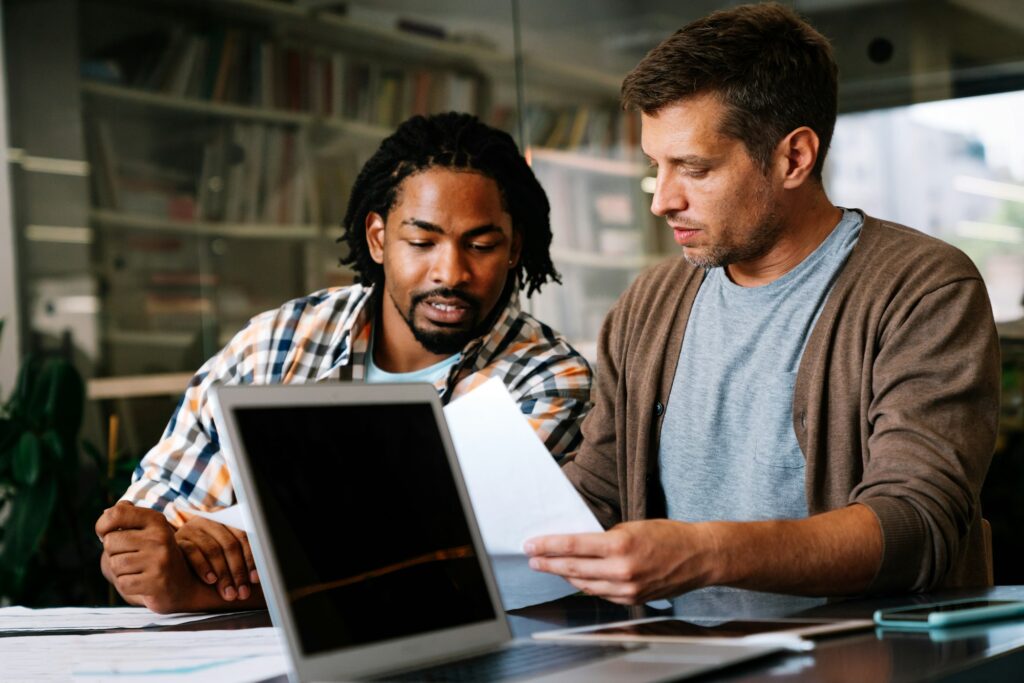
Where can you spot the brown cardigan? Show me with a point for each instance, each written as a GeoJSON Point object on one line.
{"type": "Point", "coordinates": [895, 404]}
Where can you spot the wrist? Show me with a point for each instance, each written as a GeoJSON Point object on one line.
{"type": "Point", "coordinates": [718, 558]}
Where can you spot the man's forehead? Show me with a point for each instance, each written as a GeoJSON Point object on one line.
{"type": "Point", "coordinates": [688, 130]}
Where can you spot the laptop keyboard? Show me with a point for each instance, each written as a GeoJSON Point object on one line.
{"type": "Point", "coordinates": [512, 662]}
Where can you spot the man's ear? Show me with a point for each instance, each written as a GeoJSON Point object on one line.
{"type": "Point", "coordinates": [517, 248]}
{"type": "Point", "coordinates": [796, 155]}
{"type": "Point", "coordinates": [375, 236]}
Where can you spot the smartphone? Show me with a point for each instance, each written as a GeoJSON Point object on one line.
{"type": "Point", "coordinates": [950, 613]}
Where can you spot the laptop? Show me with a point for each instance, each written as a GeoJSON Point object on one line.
{"type": "Point", "coordinates": [369, 555]}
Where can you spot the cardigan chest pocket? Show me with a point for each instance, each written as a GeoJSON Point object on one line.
{"type": "Point", "coordinates": [772, 420]}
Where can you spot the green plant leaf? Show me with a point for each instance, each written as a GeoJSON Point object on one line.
{"type": "Point", "coordinates": [65, 397]}
{"type": "Point", "coordinates": [94, 453]}
{"type": "Point", "coordinates": [31, 510]}
{"type": "Point", "coordinates": [54, 445]}
{"type": "Point", "coordinates": [27, 459]}
{"type": "Point", "coordinates": [27, 383]}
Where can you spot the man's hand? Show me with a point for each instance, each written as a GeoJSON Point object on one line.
{"type": "Point", "coordinates": [632, 563]}
{"type": "Point", "coordinates": [219, 555]}
{"type": "Point", "coordinates": [141, 558]}
{"type": "Point", "coordinates": [832, 553]}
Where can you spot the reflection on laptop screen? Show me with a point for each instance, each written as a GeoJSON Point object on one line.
{"type": "Point", "coordinates": [365, 555]}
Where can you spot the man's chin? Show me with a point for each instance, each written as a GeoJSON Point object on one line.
{"type": "Point", "coordinates": [443, 341]}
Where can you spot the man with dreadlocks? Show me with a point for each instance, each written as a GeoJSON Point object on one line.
{"type": "Point", "coordinates": [445, 224]}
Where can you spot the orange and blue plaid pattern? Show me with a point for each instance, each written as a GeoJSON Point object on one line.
{"type": "Point", "coordinates": [324, 337]}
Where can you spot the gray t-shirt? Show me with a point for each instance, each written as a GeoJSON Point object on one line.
{"type": "Point", "coordinates": [728, 450]}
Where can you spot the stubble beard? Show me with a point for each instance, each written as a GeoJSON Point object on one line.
{"type": "Point", "coordinates": [761, 240]}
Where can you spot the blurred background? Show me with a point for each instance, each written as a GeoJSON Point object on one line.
{"type": "Point", "coordinates": [177, 166]}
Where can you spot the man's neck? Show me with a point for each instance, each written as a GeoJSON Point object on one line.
{"type": "Point", "coordinates": [808, 222]}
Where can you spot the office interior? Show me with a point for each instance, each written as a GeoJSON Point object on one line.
{"type": "Point", "coordinates": [176, 166]}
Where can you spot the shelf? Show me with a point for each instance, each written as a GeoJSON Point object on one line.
{"type": "Point", "coordinates": [137, 386]}
{"type": "Point", "coordinates": [355, 34]}
{"type": "Point", "coordinates": [132, 221]}
{"type": "Point", "coordinates": [143, 98]}
{"type": "Point", "coordinates": [608, 261]}
{"type": "Point", "coordinates": [162, 339]}
{"type": "Point", "coordinates": [585, 162]}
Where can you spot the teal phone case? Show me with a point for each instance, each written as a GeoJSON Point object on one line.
{"type": "Point", "coordinates": [947, 619]}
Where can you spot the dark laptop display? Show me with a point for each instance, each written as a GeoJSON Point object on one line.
{"type": "Point", "coordinates": [364, 563]}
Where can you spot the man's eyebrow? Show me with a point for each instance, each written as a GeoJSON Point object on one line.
{"type": "Point", "coordinates": [685, 160]}
{"type": "Point", "coordinates": [431, 227]}
{"type": "Point", "coordinates": [691, 160]}
{"type": "Point", "coordinates": [423, 225]}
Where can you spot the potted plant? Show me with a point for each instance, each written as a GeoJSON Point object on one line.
{"type": "Point", "coordinates": [42, 523]}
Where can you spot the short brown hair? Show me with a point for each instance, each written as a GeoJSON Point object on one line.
{"type": "Point", "coordinates": [772, 70]}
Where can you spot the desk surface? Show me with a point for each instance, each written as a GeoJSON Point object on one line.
{"type": "Point", "coordinates": [991, 652]}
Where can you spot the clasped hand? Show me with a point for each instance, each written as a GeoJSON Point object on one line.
{"type": "Point", "coordinates": [631, 563]}
{"type": "Point", "coordinates": [200, 566]}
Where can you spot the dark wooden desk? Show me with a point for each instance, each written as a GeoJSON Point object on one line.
{"type": "Point", "coordinates": [990, 652]}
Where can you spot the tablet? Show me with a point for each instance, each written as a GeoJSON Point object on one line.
{"type": "Point", "coordinates": [793, 634]}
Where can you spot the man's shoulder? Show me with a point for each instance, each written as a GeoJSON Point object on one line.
{"type": "Point", "coordinates": [891, 248]}
{"type": "Point", "coordinates": [328, 302]}
{"type": "Point", "coordinates": [530, 336]}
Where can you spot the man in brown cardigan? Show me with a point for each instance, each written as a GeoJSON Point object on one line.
{"type": "Point", "coordinates": [885, 389]}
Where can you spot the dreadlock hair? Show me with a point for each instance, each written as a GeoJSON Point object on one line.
{"type": "Point", "coordinates": [459, 142]}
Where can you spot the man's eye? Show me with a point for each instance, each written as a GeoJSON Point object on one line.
{"type": "Point", "coordinates": [696, 172]}
{"type": "Point", "coordinates": [418, 244]}
{"type": "Point", "coordinates": [482, 247]}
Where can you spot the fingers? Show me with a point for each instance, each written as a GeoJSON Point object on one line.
{"type": "Point", "coordinates": [218, 555]}
{"type": "Point", "coordinates": [620, 593]}
{"type": "Point", "coordinates": [125, 515]}
{"type": "Point", "coordinates": [198, 561]}
{"type": "Point", "coordinates": [578, 545]}
{"type": "Point", "coordinates": [250, 561]}
{"type": "Point", "coordinates": [618, 570]}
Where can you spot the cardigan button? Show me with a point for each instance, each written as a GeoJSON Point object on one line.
{"type": "Point", "coordinates": [659, 409]}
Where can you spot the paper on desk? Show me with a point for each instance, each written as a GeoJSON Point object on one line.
{"type": "Point", "coordinates": [88, 618]}
{"type": "Point", "coordinates": [151, 656]}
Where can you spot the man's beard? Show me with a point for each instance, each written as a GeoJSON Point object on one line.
{"type": "Point", "coordinates": [442, 340]}
{"type": "Point", "coordinates": [760, 242]}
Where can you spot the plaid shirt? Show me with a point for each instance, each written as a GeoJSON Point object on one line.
{"type": "Point", "coordinates": [325, 337]}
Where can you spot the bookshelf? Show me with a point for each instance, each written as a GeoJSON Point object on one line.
{"type": "Point", "coordinates": [214, 142]}
{"type": "Point", "coordinates": [221, 139]}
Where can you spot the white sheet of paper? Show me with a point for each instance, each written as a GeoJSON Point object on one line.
{"type": "Point", "coordinates": [88, 618]}
{"type": "Point", "coordinates": [218, 656]}
{"type": "Point", "coordinates": [518, 490]}
{"type": "Point", "coordinates": [230, 516]}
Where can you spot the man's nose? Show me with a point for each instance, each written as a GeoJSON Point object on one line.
{"type": "Point", "coordinates": [449, 268]}
{"type": "Point", "coordinates": [668, 196]}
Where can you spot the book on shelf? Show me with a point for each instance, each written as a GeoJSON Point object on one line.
{"type": "Point", "coordinates": [104, 171]}
{"type": "Point", "coordinates": [246, 67]}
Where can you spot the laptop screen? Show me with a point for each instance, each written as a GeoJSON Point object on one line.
{"type": "Point", "coordinates": [366, 523]}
